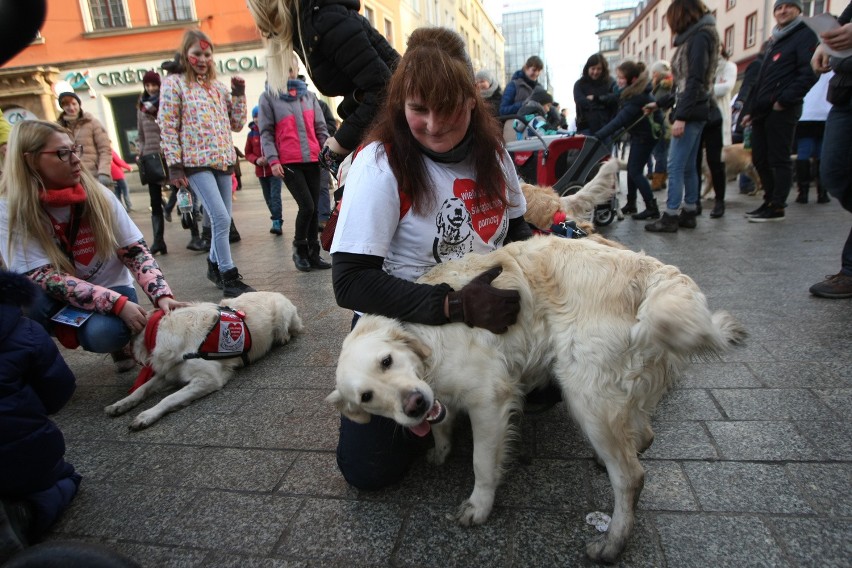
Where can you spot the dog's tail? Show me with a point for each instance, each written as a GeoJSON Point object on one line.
{"type": "Point", "coordinates": [597, 192]}
{"type": "Point", "coordinates": [674, 320]}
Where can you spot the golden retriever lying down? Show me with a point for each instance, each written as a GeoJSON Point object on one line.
{"type": "Point", "coordinates": [270, 317]}
{"type": "Point", "coordinates": [615, 327]}
{"type": "Point", "coordinates": [737, 161]}
{"type": "Point", "coordinates": [543, 202]}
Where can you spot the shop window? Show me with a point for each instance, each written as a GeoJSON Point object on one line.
{"type": "Point", "coordinates": [107, 14]}
{"type": "Point", "coordinates": [174, 10]}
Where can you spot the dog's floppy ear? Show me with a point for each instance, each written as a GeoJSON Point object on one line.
{"type": "Point", "coordinates": [351, 411]}
{"type": "Point", "coordinates": [412, 342]}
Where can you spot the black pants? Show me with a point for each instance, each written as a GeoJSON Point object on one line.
{"type": "Point", "coordinates": [155, 193]}
{"type": "Point", "coordinates": [711, 142]}
{"type": "Point", "coordinates": [771, 145]}
{"type": "Point", "coordinates": [303, 182]}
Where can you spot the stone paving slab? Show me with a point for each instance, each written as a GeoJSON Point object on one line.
{"type": "Point", "coordinates": [751, 465]}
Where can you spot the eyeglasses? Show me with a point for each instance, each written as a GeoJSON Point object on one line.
{"type": "Point", "coordinates": [64, 154]}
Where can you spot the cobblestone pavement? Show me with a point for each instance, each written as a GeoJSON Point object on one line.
{"type": "Point", "coordinates": [750, 467]}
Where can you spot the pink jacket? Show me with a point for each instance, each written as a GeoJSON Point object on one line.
{"type": "Point", "coordinates": [118, 167]}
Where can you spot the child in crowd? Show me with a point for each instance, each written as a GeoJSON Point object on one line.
{"type": "Point", "coordinates": [270, 184]}
{"type": "Point", "coordinates": [36, 483]}
{"type": "Point", "coordinates": [117, 169]}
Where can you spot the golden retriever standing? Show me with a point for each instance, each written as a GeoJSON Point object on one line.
{"type": "Point", "coordinates": [270, 317]}
{"type": "Point", "coordinates": [614, 327]}
{"type": "Point", "coordinates": [737, 161]}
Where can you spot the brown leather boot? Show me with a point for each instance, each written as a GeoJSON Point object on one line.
{"type": "Point", "coordinates": [659, 181]}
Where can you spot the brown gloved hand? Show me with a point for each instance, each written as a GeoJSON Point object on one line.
{"type": "Point", "coordinates": [479, 304]}
{"type": "Point", "coordinates": [238, 87]}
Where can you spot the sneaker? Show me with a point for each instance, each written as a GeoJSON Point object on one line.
{"type": "Point", "coordinates": [276, 228]}
{"type": "Point", "coordinates": [836, 286]}
{"type": "Point", "coordinates": [763, 207]}
{"type": "Point", "coordinates": [769, 214]}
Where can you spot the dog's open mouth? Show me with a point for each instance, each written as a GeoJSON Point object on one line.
{"type": "Point", "coordinates": [435, 415]}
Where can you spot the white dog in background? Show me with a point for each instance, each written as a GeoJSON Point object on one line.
{"type": "Point", "coordinates": [271, 318]}
{"type": "Point", "coordinates": [614, 327]}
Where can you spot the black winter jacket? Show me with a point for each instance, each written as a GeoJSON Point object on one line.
{"type": "Point", "coordinates": [345, 56]}
{"type": "Point", "coordinates": [34, 382]}
{"type": "Point", "coordinates": [593, 114]}
{"type": "Point", "coordinates": [632, 99]}
{"type": "Point", "coordinates": [693, 67]}
{"type": "Point", "coordinates": [785, 74]}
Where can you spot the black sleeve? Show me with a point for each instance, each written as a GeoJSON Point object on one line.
{"type": "Point", "coordinates": [361, 284]}
{"type": "Point", "coordinates": [846, 16]}
{"type": "Point", "coordinates": [519, 230]}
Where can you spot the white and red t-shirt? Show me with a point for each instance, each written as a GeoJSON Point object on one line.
{"type": "Point", "coordinates": [370, 222]}
{"type": "Point", "coordinates": [107, 270]}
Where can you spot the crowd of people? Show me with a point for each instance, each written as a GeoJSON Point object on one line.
{"type": "Point", "coordinates": [430, 135]}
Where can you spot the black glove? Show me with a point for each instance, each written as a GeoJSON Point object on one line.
{"type": "Point", "coordinates": [238, 87]}
{"type": "Point", "coordinates": [479, 304]}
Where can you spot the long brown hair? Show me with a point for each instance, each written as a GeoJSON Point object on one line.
{"type": "Point", "coordinates": [683, 13]}
{"type": "Point", "coordinates": [436, 70]}
{"type": "Point", "coordinates": [21, 185]}
{"type": "Point", "coordinates": [189, 38]}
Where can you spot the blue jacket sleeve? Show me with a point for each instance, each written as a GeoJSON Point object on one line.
{"type": "Point", "coordinates": [507, 103]}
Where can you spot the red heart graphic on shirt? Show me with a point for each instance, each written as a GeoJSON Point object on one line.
{"type": "Point", "coordinates": [84, 245]}
{"type": "Point", "coordinates": [236, 330]}
{"type": "Point", "coordinates": [485, 218]}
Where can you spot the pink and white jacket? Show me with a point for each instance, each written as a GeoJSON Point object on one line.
{"type": "Point", "coordinates": [292, 129]}
{"type": "Point", "coordinates": [196, 121]}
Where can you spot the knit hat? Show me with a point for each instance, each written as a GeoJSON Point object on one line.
{"type": "Point", "coordinates": [797, 3]}
{"type": "Point", "coordinates": [151, 78]}
{"type": "Point", "coordinates": [485, 75]}
{"type": "Point", "coordinates": [69, 94]}
{"type": "Point", "coordinates": [541, 97]}
{"type": "Point", "coordinates": [661, 66]}
{"type": "Point", "coordinates": [255, 111]}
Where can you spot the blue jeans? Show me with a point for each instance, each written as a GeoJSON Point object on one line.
{"type": "Point", "coordinates": [271, 188]}
{"type": "Point", "coordinates": [376, 454]}
{"type": "Point", "coordinates": [836, 167]}
{"type": "Point", "coordinates": [99, 334]}
{"type": "Point", "coordinates": [214, 189]}
{"type": "Point", "coordinates": [121, 191]}
{"type": "Point", "coordinates": [683, 177]}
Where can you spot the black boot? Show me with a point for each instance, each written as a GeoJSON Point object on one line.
{"type": "Point", "coordinates": [665, 224]}
{"type": "Point", "coordinates": [195, 242]}
{"type": "Point", "coordinates": [651, 211]}
{"type": "Point", "coordinates": [233, 233]}
{"type": "Point", "coordinates": [687, 219]}
{"type": "Point", "coordinates": [301, 256]}
{"type": "Point", "coordinates": [159, 245]}
{"type": "Point", "coordinates": [213, 274]}
{"type": "Point", "coordinates": [233, 285]}
{"type": "Point", "coordinates": [629, 208]}
{"type": "Point", "coordinates": [718, 209]}
{"type": "Point", "coordinates": [206, 237]}
{"type": "Point", "coordinates": [803, 179]}
{"type": "Point", "coordinates": [314, 257]}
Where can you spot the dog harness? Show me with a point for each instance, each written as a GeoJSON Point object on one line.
{"type": "Point", "coordinates": [229, 337]}
{"type": "Point", "coordinates": [151, 327]}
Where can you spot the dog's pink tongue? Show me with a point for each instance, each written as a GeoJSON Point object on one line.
{"type": "Point", "coordinates": [421, 429]}
{"type": "Point", "coordinates": [435, 414]}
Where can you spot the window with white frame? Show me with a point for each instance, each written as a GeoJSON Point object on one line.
{"type": "Point", "coordinates": [389, 31]}
{"type": "Point", "coordinates": [174, 10]}
{"type": "Point", "coordinates": [370, 14]}
{"type": "Point", "coordinates": [750, 30]}
{"type": "Point", "coordinates": [107, 14]}
{"type": "Point", "coordinates": [730, 4]}
{"type": "Point", "coordinates": [729, 38]}
{"type": "Point", "coordinates": [813, 7]}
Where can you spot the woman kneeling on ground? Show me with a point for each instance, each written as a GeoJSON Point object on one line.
{"type": "Point", "coordinates": [71, 236]}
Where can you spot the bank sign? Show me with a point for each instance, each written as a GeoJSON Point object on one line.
{"type": "Point", "coordinates": [122, 77]}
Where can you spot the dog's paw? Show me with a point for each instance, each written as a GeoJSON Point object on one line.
{"type": "Point", "coordinates": [142, 421]}
{"type": "Point", "coordinates": [438, 455]}
{"type": "Point", "coordinates": [116, 409]}
{"type": "Point", "coordinates": [469, 514]}
{"type": "Point", "coordinates": [604, 549]}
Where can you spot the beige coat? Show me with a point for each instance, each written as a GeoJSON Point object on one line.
{"type": "Point", "coordinates": [88, 131]}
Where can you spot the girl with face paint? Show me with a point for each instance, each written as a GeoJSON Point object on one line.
{"type": "Point", "coordinates": [196, 117]}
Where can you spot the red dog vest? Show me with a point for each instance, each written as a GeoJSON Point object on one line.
{"type": "Point", "coordinates": [229, 337]}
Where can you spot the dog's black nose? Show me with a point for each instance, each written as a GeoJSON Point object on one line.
{"type": "Point", "coordinates": [415, 404]}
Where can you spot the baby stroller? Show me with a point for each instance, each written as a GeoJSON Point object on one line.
{"type": "Point", "coordinates": [564, 161]}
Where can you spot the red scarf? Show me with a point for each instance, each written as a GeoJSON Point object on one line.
{"type": "Point", "coordinates": [60, 197]}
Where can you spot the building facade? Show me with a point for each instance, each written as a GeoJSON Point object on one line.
{"type": "Point", "coordinates": [615, 18]}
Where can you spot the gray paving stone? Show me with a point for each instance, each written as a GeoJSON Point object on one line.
{"type": "Point", "coordinates": [719, 376]}
{"type": "Point", "coordinates": [687, 404]}
{"type": "Point", "coordinates": [242, 561]}
{"type": "Point", "coordinates": [666, 489]}
{"type": "Point", "coordinates": [701, 540]}
{"type": "Point", "coordinates": [825, 485]}
{"type": "Point", "coordinates": [680, 440]}
{"type": "Point", "coordinates": [552, 484]}
{"type": "Point", "coordinates": [834, 439]}
{"type": "Point", "coordinates": [822, 543]}
{"type": "Point", "coordinates": [745, 487]}
{"type": "Point", "coordinates": [838, 400]}
{"type": "Point", "coordinates": [316, 474]}
{"type": "Point", "coordinates": [762, 440]}
{"type": "Point", "coordinates": [794, 374]}
{"type": "Point", "coordinates": [769, 404]}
